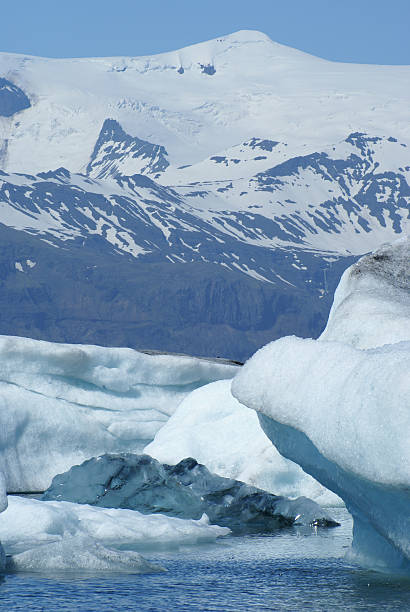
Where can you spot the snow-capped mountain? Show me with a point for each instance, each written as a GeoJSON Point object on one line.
{"type": "Point", "coordinates": [335, 203]}
{"type": "Point", "coordinates": [347, 198]}
{"type": "Point", "coordinates": [137, 218]}
{"type": "Point", "coordinates": [116, 153]}
{"type": "Point", "coordinates": [197, 101]}
{"type": "Point", "coordinates": [238, 154]}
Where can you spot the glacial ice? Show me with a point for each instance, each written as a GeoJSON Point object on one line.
{"type": "Point", "coordinates": [135, 482]}
{"type": "Point", "coordinates": [39, 535]}
{"type": "Point", "coordinates": [371, 306]}
{"type": "Point", "coordinates": [245, 508]}
{"type": "Point", "coordinates": [3, 493]}
{"type": "Point", "coordinates": [342, 410]}
{"type": "Point", "coordinates": [79, 553]}
{"type": "Point", "coordinates": [61, 404]}
{"type": "Point", "coordinates": [212, 426]}
{"type": "Point", "coordinates": [187, 490]}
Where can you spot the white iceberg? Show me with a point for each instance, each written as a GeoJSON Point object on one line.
{"type": "Point", "coordinates": [79, 553]}
{"type": "Point", "coordinates": [41, 535]}
{"type": "Point", "coordinates": [343, 413]}
{"type": "Point", "coordinates": [371, 306]}
{"type": "Point", "coordinates": [61, 404]}
{"type": "Point", "coordinates": [226, 436]}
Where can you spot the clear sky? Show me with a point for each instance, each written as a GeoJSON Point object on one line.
{"type": "Point", "coordinates": [365, 31]}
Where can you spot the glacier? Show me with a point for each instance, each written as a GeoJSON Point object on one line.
{"type": "Point", "coordinates": [185, 490]}
{"type": "Point", "coordinates": [339, 407]}
{"type": "Point", "coordinates": [251, 92]}
{"type": "Point", "coordinates": [67, 536]}
{"type": "Point", "coordinates": [61, 404]}
{"type": "Point", "coordinates": [212, 426]}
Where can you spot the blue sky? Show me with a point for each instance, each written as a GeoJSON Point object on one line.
{"type": "Point", "coordinates": [365, 31]}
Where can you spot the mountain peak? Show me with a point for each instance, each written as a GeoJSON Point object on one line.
{"type": "Point", "coordinates": [246, 36]}
{"type": "Point", "coordinates": [116, 152]}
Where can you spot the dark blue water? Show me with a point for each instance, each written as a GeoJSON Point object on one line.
{"type": "Point", "coordinates": [294, 570]}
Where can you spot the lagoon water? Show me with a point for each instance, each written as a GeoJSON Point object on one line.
{"type": "Point", "coordinates": [295, 569]}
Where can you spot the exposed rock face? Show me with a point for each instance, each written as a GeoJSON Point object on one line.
{"type": "Point", "coordinates": [12, 99]}
{"type": "Point", "coordinates": [117, 153]}
{"type": "Point", "coordinates": [87, 295]}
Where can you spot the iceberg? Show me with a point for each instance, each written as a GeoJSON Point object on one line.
{"type": "Point", "coordinates": [187, 490]}
{"type": "Point", "coordinates": [245, 508]}
{"type": "Point", "coordinates": [220, 432]}
{"type": "Point", "coordinates": [79, 553]}
{"type": "Point", "coordinates": [135, 482]}
{"type": "Point", "coordinates": [371, 305]}
{"type": "Point", "coordinates": [67, 536]}
{"type": "Point", "coordinates": [339, 406]}
{"type": "Point", "coordinates": [61, 404]}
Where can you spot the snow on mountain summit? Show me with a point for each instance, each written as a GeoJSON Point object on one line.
{"type": "Point", "coordinates": [237, 158]}
{"type": "Point", "coordinates": [196, 101]}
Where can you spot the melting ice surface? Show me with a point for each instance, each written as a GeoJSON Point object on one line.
{"type": "Point", "coordinates": [292, 570]}
{"type": "Point", "coordinates": [44, 535]}
{"type": "Point", "coordinates": [187, 490]}
{"type": "Point", "coordinates": [341, 409]}
{"type": "Point", "coordinates": [212, 426]}
{"type": "Point", "coordinates": [61, 403]}
{"type": "Point", "coordinates": [89, 400]}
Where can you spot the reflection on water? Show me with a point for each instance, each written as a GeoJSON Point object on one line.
{"type": "Point", "coordinates": [293, 570]}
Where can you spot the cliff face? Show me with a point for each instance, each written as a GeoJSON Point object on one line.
{"type": "Point", "coordinates": [195, 308]}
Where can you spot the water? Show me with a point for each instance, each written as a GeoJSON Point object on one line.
{"type": "Point", "coordinates": [294, 570]}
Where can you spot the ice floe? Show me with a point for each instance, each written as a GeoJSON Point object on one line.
{"type": "Point", "coordinates": [45, 535]}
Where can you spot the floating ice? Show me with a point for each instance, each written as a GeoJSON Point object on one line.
{"type": "Point", "coordinates": [243, 507]}
{"type": "Point", "coordinates": [79, 553]}
{"type": "Point", "coordinates": [212, 426]}
{"type": "Point", "coordinates": [136, 482]}
{"type": "Point", "coordinates": [371, 305]}
{"type": "Point", "coordinates": [343, 413]}
{"type": "Point", "coordinates": [60, 535]}
{"type": "Point", "coordinates": [61, 404]}
{"type": "Point", "coordinates": [187, 490]}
